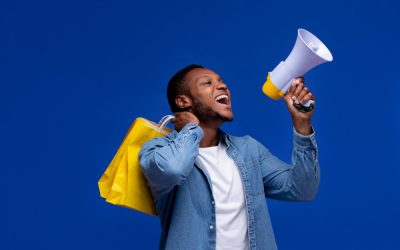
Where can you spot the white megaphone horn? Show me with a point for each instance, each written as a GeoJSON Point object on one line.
{"type": "Point", "coordinates": [307, 53]}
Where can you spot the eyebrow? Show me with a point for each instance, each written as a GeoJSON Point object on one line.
{"type": "Point", "coordinates": [207, 75]}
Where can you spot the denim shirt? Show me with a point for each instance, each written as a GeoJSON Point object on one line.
{"type": "Point", "coordinates": [183, 195]}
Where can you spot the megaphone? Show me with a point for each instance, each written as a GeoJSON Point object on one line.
{"type": "Point", "coordinates": [307, 53]}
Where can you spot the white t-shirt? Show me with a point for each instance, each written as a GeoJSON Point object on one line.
{"type": "Point", "coordinates": [227, 188]}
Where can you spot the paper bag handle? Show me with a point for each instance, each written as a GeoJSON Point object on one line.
{"type": "Point", "coordinates": [164, 121]}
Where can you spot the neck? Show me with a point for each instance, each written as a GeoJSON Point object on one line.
{"type": "Point", "coordinates": [210, 138]}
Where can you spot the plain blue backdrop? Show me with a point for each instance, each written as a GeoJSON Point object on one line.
{"type": "Point", "coordinates": [75, 74]}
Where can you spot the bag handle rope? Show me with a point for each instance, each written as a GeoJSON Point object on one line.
{"type": "Point", "coordinates": [164, 121]}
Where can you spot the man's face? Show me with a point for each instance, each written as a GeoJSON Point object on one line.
{"type": "Point", "coordinates": [211, 99]}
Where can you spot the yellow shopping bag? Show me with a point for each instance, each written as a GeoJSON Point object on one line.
{"type": "Point", "coordinates": [123, 182]}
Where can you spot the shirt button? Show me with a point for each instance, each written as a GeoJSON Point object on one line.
{"type": "Point", "coordinates": [213, 203]}
{"type": "Point", "coordinates": [211, 227]}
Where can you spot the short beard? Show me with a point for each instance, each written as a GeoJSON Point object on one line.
{"type": "Point", "coordinates": [205, 113]}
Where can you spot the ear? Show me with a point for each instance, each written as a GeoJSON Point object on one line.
{"type": "Point", "coordinates": [183, 101]}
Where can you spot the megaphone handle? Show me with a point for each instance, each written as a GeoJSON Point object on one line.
{"type": "Point", "coordinates": [307, 107]}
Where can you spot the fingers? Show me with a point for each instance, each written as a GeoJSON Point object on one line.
{"type": "Point", "coordinates": [294, 85]}
{"type": "Point", "coordinates": [299, 85]}
{"type": "Point", "coordinates": [303, 93]}
{"type": "Point", "coordinates": [307, 97]}
{"type": "Point", "coordinates": [183, 118]}
{"type": "Point", "coordinates": [300, 93]}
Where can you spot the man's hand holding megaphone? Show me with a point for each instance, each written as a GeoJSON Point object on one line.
{"type": "Point", "coordinates": [299, 94]}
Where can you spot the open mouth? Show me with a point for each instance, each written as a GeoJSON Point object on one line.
{"type": "Point", "coordinates": [223, 99]}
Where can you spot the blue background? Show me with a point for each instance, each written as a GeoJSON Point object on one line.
{"type": "Point", "coordinates": [75, 74]}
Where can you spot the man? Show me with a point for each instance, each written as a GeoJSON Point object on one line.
{"type": "Point", "coordinates": [209, 187]}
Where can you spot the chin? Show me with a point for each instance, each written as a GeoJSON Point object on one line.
{"type": "Point", "coordinates": [227, 118]}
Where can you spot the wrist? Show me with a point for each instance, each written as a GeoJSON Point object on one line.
{"type": "Point", "coordinates": [303, 127]}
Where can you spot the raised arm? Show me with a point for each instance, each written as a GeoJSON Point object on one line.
{"type": "Point", "coordinates": [167, 161]}
{"type": "Point", "coordinates": [298, 181]}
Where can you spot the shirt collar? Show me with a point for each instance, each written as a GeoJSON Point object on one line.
{"type": "Point", "coordinates": [224, 138]}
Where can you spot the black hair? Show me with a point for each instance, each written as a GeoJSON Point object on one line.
{"type": "Point", "coordinates": [178, 86]}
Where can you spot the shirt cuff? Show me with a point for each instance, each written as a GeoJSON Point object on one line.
{"type": "Point", "coordinates": [305, 141]}
{"type": "Point", "coordinates": [193, 128]}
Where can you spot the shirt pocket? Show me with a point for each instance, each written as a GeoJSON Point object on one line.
{"type": "Point", "coordinates": [255, 177]}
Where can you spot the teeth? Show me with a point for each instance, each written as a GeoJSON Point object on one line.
{"type": "Point", "coordinates": [221, 97]}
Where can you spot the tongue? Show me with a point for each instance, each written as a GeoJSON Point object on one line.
{"type": "Point", "coordinates": [222, 101]}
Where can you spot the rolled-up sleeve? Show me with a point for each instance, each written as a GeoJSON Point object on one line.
{"type": "Point", "coordinates": [167, 161]}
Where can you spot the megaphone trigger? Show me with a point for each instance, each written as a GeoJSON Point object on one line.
{"type": "Point", "coordinates": [307, 107]}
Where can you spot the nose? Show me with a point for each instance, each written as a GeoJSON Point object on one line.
{"type": "Point", "coordinates": [221, 86]}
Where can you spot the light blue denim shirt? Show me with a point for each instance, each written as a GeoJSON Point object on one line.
{"type": "Point", "coordinates": [183, 192]}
